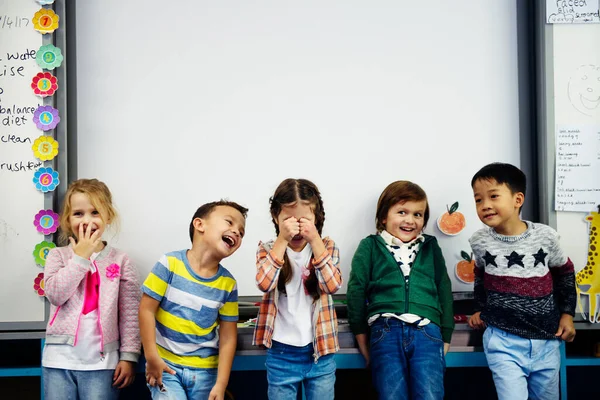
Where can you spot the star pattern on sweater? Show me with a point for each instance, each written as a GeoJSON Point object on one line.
{"type": "Point", "coordinates": [540, 257]}
{"type": "Point", "coordinates": [515, 258]}
{"type": "Point", "coordinates": [490, 259]}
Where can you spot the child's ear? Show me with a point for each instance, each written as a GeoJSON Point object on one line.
{"type": "Point", "coordinates": [199, 224]}
{"type": "Point", "coordinates": [519, 199]}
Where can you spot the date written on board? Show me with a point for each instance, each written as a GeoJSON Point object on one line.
{"type": "Point", "coordinates": [13, 22]}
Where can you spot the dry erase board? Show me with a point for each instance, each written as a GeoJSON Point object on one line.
{"type": "Point", "coordinates": [189, 102]}
{"type": "Point", "coordinates": [19, 199]}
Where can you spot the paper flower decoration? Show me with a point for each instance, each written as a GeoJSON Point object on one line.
{"type": "Point", "coordinates": [45, 2]}
{"type": "Point", "coordinates": [38, 284]}
{"type": "Point", "coordinates": [44, 84]}
{"type": "Point", "coordinates": [49, 57]}
{"type": "Point", "coordinates": [113, 271]}
{"type": "Point", "coordinates": [46, 179]}
{"type": "Point", "coordinates": [46, 221]}
{"type": "Point", "coordinates": [41, 252]}
{"type": "Point", "coordinates": [45, 148]}
{"type": "Point", "coordinates": [45, 21]}
{"type": "Point", "coordinates": [46, 118]}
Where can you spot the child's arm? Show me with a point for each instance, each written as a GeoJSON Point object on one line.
{"type": "Point", "coordinates": [227, 346]}
{"type": "Point", "coordinates": [268, 267]}
{"type": "Point", "coordinates": [155, 365]}
{"type": "Point", "coordinates": [327, 267]}
{"type": "Point", "coordinates": [565, 295]}
{"type": "Point", "coordinates": [357, 296]}
{"type": "Point", "coordinates": [129, 328]}
{"type": "Point", "coordinates": [444, 288]}
{"type": "Point", "coordinates": [61, 278]}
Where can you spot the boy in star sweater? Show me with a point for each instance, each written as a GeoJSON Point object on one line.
{"type": "Point", "coordinates": [524, 289]}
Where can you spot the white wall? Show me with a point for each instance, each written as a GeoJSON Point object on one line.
{"type": "Point", "coordinates": [185, 103]}
{"type": "Point", "coordinates": [575, 46]}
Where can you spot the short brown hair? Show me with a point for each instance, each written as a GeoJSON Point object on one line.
{"type": "Point", "coordinates": [204, 210]}
{"type": "Point", "coordinates": [396, 192]}
{"type": "Point", "coordinates": [99, 196]}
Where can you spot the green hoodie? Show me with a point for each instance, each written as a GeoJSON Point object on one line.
{"type": "Point", "coordinates": [377, 286]}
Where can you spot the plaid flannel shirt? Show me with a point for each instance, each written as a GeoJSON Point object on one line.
{"type": "Point", "coordinates": [325, 320]}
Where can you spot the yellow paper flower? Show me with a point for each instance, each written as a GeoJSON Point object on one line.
{"type": "Point", "coordinates": [45, 21]}
{"type": "Point", "coordinates": [45, 148]}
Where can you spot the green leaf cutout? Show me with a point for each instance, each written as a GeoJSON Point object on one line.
{"type": "Point", "coordinates": [453, 208]}
{"type": "Point", "coordinates": [466, 256]}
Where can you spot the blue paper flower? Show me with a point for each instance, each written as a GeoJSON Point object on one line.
{"type": "Point", "coordinates": [46, 179]}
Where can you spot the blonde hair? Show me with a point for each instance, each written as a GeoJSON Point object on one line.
{"type": "Point", "coordinates": [99, 196]}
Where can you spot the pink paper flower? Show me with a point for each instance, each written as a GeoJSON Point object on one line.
{"type": "Point", "coordinates": [38, 284]}
{"type": "Point", "coordinates": [113, 271]}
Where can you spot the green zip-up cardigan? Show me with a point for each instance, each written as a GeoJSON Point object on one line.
{"type": "Point", "coordinates": [377, 286]}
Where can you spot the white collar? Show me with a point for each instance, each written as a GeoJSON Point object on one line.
{"type": "Point", "coordinates": [392, 240]}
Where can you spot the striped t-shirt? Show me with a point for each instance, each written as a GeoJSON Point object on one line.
{"type": "Point", "coordinates": [189, 310]}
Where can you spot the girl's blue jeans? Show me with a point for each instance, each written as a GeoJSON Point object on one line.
{"type": "Point", "coordinates": [65, 384]}
{"type": "Point", "coordinates": [407, 361]}
{"type": "Point", "coordinates": [289, 366]}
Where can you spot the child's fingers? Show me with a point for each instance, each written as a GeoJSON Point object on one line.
{"type": "Point", "coordinates": [72, 241]}
{"type": "Point", "coordinates": [120, 379]}
{"type": "Point", "coordinates": [80, 231]}
{"type": "Point", "coordinates": [169, 370]}
{"type": "Point", "coordinates": [559, 332]}
{"type": "Point", "coordinates": [88, 231]}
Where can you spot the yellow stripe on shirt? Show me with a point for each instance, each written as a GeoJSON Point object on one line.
{"type": "Point", "coordinates": [188, 361]}
{"type": "Point", "coordinates": [181, 325]}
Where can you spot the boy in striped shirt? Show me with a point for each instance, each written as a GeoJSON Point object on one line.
{"type": "Point", "coordinates": [187, 296]}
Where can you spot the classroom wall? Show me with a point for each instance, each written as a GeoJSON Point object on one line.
{"type": "Point", "coordinates": [181, 105]}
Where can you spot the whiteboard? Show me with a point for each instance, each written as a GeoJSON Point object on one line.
{"type": "Point", "coordinates": [19, 199]}
{"type": "Point", "coordinates": [184, 104]}
{"type": "Point", "coordinates": [576, 50]}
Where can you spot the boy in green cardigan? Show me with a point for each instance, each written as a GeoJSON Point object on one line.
{"type": "Point", "coordinates": [399, 292]}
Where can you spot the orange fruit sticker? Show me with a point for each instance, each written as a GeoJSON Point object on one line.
{"type": "Point", "coordinates": [465, 268]}
{"type": "Point", "coordinates": [452, 221]}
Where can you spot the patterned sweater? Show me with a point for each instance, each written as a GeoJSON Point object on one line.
{"type": "Point", "coordinates": [523, 283]}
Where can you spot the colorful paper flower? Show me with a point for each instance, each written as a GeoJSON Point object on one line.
{"type": "Point", "coordinates": [46, 221]}
{"type": "Point", "coordinates": [46, 179]}
{"type": "Point", "coordinates": [113, 271]}
{"type": "Point", "coordinates": [45, 2]}
{"type": "Point", "coordinates": [46, 118]}
{"type": "Point", "coordinates": [44, 84]}
{"type": "Point", "coordinates": [45, 21]}
{"type": "Point", "coordinates": [41, 252]}
{"type": "Point", "coordinates": [38, 284]}
{"type": "Point", "coordinates": [49, 57]}
{"type": "Point", "coordinates": [45, 148]}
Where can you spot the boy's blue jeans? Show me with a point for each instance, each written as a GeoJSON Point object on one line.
{"type": "Point", "coordinates": [66, 384]}
{"type": "Point", "coordinates": [187, 383]}
{"type": "Point", "coordinates": [289, 366]}
{"type": "Point", "coordinates": [522, 368]}
{"type": "Point", "coordinates": [407, 361]}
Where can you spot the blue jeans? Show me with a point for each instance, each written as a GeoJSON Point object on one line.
{"type": "Point", "coordinates": [522, 368]}
{"type": "Point", "coordinates": [66, 384]}
{"type": "Point", "coordinates": [407, 361]}
{"type": "Point", "coordinates": [187, 383]}
{"type": "Point", "coordinates": [289, 366]}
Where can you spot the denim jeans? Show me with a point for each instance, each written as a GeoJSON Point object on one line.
{"type": "Point", "coordinates": [289, 366]}
{"type": "Point", "coordinates": [407, 361]}
{"type": "Point", "coordinates": [522, 368]}
{"type": "Point", "coordinates": [65, 384]}
{"type": "Point", "coordinates": [187, 383]}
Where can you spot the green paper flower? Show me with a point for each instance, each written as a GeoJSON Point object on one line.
{"type": "Point", "coordinates": [41, 252]}
{"type": "Point", "coordinates": [49, 57]}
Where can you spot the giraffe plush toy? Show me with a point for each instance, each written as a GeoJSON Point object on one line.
{"type": "Point", "coordinates": [588, 279]}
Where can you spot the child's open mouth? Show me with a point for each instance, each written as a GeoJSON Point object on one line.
{"type": "Point", "coordinates": [297, 237]}
{"type": "Point", "coordinates": [229, 240]}
{"type": "Point", "coordinates": [405, 229]}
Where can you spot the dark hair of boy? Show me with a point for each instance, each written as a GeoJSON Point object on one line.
{"type": "Point", "coordinates": [204, 210]}
{"type": "Point", "coordinates": [290, 191]}
{"type": "Point", "coordinates": [503, 173]}
{"type": "Point", "coordinates": [396, 192]}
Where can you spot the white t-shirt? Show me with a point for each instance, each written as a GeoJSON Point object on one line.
{"type": "Point", "coordinates": [85, 354]}
{"type": "Point", "coordinates": [293, 324]}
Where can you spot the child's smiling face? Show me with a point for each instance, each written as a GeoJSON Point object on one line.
{"type": "Point", "coordinates": [224, 228]}
{"type": "Point", "coordinates": [497, 206]}
{"type": "Point", "coordinates": [299, 209]}
{"type": "Point", "coordinates": [405, 219]}
{"type": "Point", "coordinates": [84, 213]}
